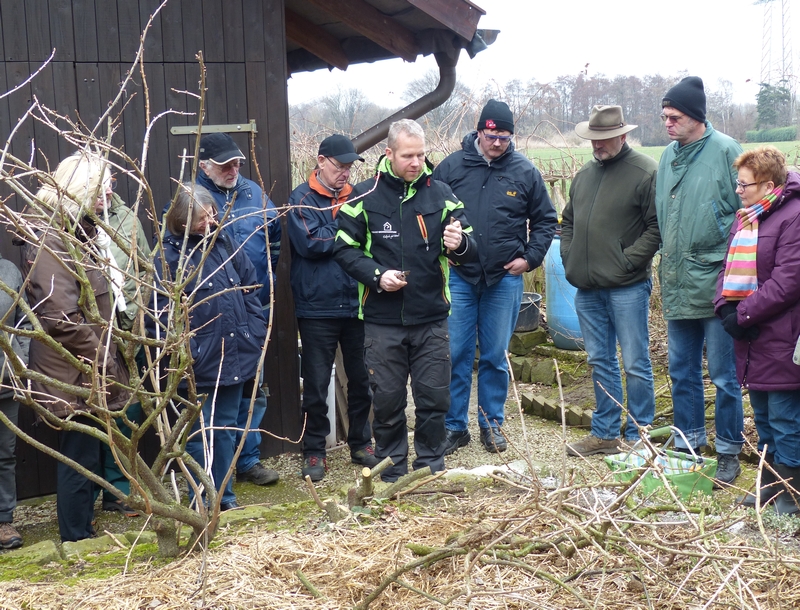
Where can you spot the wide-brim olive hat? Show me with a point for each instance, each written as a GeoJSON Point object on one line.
{"type": "Point", "coordinates": [604, 122]}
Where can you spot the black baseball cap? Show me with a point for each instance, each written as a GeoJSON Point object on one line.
{"type": "Point", "coordinates": [219, 148]}
{"type": "Point", "coordinates": [340, 148]}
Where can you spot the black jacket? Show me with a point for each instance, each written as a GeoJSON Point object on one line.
{"type": "Point", "coordinates": [320, 286]}
{"type": "Point", "coordinates": [499, 199]}
{"type": "Point", "coordinates": [400, 226]}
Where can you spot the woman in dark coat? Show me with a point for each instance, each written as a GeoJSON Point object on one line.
{"type": "Point", "coordinates": [53, 255]}
{"type": "Point", "coordinates": [758, 294]}
{"type": "Point", "coordinates": [226, 315]}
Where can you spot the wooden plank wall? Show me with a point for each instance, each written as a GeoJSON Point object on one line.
{"type": "Point", "coordinates": [95, 41]}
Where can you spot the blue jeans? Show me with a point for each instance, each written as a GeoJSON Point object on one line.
{"type": "Point", "coordinates": [607, 315]}
{"type": "Point", "coordinates": [251, 452]}
{"type": "Point", "coordinates": [491, 312]}
{"type": "Point", "coordinates": [686, 339]}
{"type": "Point", "coordinates": [777, 416]}
{"type": "Point", "coordinates": [8, 462]}
{"type": "Point", "coordinates": [226, 411]}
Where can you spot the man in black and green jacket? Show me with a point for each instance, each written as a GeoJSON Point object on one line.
{"type": "Point", "coordinates": [395, 237]}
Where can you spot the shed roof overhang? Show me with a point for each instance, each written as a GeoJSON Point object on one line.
{"type": "Point", "coordinates": [338, 33]}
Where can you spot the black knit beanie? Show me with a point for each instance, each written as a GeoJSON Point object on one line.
{"type": "Point", "coordinates": [689, 97]}
{"type": "Point", "coordinates": [496, 115]}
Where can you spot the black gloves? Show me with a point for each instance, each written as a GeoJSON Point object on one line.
{"type": "Point", "coordinates": [727, 314]}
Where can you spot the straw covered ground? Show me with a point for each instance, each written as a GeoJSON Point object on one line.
{"type": "Point", "coordinates": [510, 541]}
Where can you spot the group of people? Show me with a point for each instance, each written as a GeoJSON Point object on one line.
{"type": "Point", "coordinates": [404, 271]}
{"type": "Point", "coordinates": [407, 272]}
{"type": "Point", "coordinates": [726, 224]}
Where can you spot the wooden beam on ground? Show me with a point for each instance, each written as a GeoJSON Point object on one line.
{"type": "Point", "coordinates": [315, 40]}
{"type": "Point", "coordinates": [370, 22]}
{"type": "Point", "coordinates": [461, 17]}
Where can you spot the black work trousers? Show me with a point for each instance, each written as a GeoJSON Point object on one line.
{"type": "Point", "coordinates": [392, 353]}
{"type": "Point", "coordinates": [320, 338]}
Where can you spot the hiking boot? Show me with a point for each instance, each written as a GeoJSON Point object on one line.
{"type": "Point", "coordinates": [9, 537]}
{"type": "Point", "coordinates": [364, 457]}
{"type": "Point", "coordinates": [454, 440]}
{"type": "Point", "coordinates": [228, 506]}
{"type": "Point", "coordinates": [728, 469]}
{"type": "Point", "coordinates": [120, 507]}
{"type": "Point", "coordinates": [258, 474]}
{"type": "Point", "coordinates": [314, 467]}
{"type": "Point", "coordinates": [592, 445]}
{"type": "Point", "coordinates": [493, 440]}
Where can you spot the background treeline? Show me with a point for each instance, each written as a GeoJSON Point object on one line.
{"type": "Point", "coordinates": [545, 112]}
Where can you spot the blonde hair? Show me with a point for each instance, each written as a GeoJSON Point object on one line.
{"type": "Point", "coordinates": [79, 180]}
{"type": "Point", "coordinates": [407, 126]}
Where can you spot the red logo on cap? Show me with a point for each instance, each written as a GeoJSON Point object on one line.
{"type": "Point", "coordinates": [490, 124]}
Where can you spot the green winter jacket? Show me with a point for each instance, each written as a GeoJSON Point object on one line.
{"type": "Point", "coordinates": [129, 230]}
{"type": "Point", "coordinates": [696, 203]}
{"type": "Point", "coordinates": [609, 230]}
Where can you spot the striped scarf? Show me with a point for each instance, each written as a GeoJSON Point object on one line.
{"type": "Point", "coordinates": [741, 278]}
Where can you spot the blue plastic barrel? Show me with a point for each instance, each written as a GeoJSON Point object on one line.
{"type": "Point", "coordinates": [562, 320]}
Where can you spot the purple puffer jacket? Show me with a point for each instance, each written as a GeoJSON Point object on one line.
{"type": "Point", "coordinates": [766, 363]}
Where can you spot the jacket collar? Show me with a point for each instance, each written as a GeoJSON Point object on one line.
{"type": "Point", "coordinates": [316, 185]}
{"type": "Point", "coordinates": [623, 152]}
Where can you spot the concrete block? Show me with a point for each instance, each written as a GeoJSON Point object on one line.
{"type": "Point", "coordinates": [243, 514]}
{"type": "Point", "coordinates": [551, 410]}
{"type": "Point", "coordinates": [526, 370]}
{"type": "Point", "coordinates": [586, 418]}
{"type": "Point", "coordinates": [522, 344]}
{"type": "Point", "coordinates": [526, 400]}
{"type": "Point", "coordinates": [74, 550]}
{"type": "Point", "coordinates": [543, 372]}
{"type": "Point", "coordinates": [145, 538]}
{"type": "Point", "coordinates": [517, 363]}
{"type": "Point", "coordinates": [574, 416]}
{"type": "Point", "coordinates": [537, 405]}
{"type": "Point", "coordinates": [40, 553]}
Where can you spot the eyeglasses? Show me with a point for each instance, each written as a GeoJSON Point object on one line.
{"type": "Point", "coordinates": [340, 168]}
{"type": "Point", "coordinates": [493, 138]}
{"type": "Point", "coordinates": [744, 185]}
{"type": "Point", "coordinates": [675, 118]}
{"type": "Point", "coordinates": [235, 164]}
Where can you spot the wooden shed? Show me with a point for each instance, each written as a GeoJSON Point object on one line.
{"type": "Point", "coordinates": [250, 48]}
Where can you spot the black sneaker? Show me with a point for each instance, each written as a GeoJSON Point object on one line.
{"type": "Point", "coordinates": [455, 439]}
{"type": "Point", "coordinates": [315, 467]}
{"type": "Point", "coordinates": [258, 474]}
{"type": "Point", "coordinates": [228, 506]}
{"type": "Point", "coordinates": [493, 440]}
{"type": "Point", "coordinates": [120, 507]}
{"type": "Point", "coordinates": [728, 469]}
{"type": "Point", "coordinates": [364, 457]}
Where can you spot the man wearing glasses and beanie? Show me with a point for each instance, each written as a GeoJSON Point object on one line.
{"type": "Point", "coordinates": [696, 203]}
{"type": "Point", "coordinates": [220, 160]}
{"type": "Point", "coordinates": [326, 305]}
{"type": "Point", "coordinates": [514, 222]}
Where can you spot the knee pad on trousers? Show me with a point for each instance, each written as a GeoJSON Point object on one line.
{"type": "Point", "coordinates": [389, 407]}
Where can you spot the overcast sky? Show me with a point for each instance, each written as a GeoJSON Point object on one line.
{"type": "Point", "coordinates": [544, 39]}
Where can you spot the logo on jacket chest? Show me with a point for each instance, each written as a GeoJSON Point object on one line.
{"type": "Point", "coordinates": [388, 232]}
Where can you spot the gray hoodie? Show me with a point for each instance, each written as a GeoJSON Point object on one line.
{"type": "Point", "coordinates": [11, 317]}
